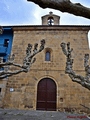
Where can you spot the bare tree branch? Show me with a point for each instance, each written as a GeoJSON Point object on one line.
{"type": "Point", "coordinates": [27, 62]}
{"type": "Point", "coordinates": [10, 73]}
{"type": "Point", "coordinates": [64, 6]}
{"type": "Point", "coordinates": [84, 81]}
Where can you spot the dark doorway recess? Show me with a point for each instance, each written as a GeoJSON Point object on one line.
{"type": "Point", "coordinates": [46, 95]}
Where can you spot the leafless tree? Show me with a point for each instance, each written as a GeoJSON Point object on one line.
{"type": "Point", "coordinates": [6, 67]}
{"type": "Point", "coordinates": [84, 81]}
{"type": "Point", "coordinates": [64, 6]}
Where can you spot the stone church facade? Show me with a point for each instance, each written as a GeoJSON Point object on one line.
{"type": "Point", "coordinates": [46, 86]}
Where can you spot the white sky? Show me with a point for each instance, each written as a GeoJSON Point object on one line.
{"type": "Point", "coordinates": [22, 12]}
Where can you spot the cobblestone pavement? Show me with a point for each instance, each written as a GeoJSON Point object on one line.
{"type": "Point", "coordinates": [8, 114]}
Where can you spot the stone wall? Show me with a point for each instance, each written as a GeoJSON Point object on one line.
{"type": "Point", "coordinates": [69, 94]}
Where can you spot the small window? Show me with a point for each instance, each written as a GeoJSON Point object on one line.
{"type": "Point", "coordinates": [50, 21]}
{"type": "Point", "coordinates": [47, 56]}
{"type": "Point", "coordinates": [6, 42]}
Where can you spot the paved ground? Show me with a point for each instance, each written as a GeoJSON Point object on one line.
{"type": "Point", "coordinates": [39, 115]}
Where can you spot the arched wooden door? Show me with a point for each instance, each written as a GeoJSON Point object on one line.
{"type": "Point", "coordinates": [46, 95]}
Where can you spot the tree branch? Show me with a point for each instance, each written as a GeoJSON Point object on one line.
{"type": "Point", "coordinates": [27, 62]}
{"type": "Point", "coordinates": [64, 6]}
{"type": "Point", "coordinates": [84, 81]}
{"type": "Point", "coordinates": [10, 73]}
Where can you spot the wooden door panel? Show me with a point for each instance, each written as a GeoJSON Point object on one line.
{"type": "Point", "coordinates": [51, 106]}
{"type": "Point", "coordinates": [41, 96]}
{"type": "Point", "coordinates": [51, 96]}
{"type": "Point", "coordinates": [41, 105]}
{"type": "Point", "coordinates": [46, 95]}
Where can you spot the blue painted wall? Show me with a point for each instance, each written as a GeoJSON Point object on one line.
{"type": "Point", "coordinates": [6, 40]}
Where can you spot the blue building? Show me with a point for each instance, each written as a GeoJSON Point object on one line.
{"type": "Point", "coordinates": [6, 40]}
